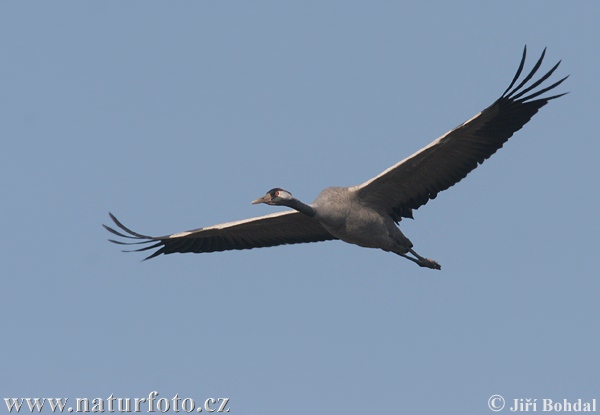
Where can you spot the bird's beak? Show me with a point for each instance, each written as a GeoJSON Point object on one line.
{"type": "Point", "coordinates": [265, 199]}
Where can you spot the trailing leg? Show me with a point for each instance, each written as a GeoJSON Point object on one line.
{"type": "Point", "coordinates": [425, 262]}
{"type": "Point", "coordinates": [420, 261]}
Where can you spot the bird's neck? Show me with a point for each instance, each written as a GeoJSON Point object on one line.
{"type": "Point", "coordinates": [301, 207]}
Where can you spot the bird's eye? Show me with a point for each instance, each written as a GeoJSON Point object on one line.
{"type": "Point", "coordinates": [277, 193]}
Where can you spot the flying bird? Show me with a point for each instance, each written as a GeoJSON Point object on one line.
{"type": "Point", "coordinates": [368, 214]}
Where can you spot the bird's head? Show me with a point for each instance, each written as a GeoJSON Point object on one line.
{"type": "Point", "coordinates": [275, 196]}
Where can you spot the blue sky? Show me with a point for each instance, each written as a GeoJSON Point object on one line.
{"type": "Point", "coordinates": [175, 115]}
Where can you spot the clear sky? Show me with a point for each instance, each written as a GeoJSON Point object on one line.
{"type": "Point", "coordinates": [176, 115]}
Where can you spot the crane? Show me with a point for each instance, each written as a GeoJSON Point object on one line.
{"type": "Point", "coordinates": [367, 215]}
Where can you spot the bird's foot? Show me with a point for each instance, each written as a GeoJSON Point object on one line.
{"type": "Point", "coordinates": [430, 263]}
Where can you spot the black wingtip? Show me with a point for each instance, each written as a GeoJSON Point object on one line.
{"type": "Point", "coordinates": [153, 255]}
{"type": "Point", "coordinates": [517, 94]}
{"type": "Point", "coordinates": [125, 232]}
{"type": "Point", "coordinates": [529, 76]}
{"type": "Point", "coordinates": [132, 234]}
{"type": "Point", "coordinates": [115, 232]}
{"type": "Point", "coordinates": [519, 70]}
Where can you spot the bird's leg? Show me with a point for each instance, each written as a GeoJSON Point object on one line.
{"type": "Point", "coordinates": [421, 261]}
{"type": "Point", "coordinates": [425, 262]}
{"type": "Point", "coordinates": [416, 261]}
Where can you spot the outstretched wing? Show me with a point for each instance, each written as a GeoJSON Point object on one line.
{"type": "Point", "coordinates": [270, 230]}
{"type": "Point", "coordinates": [415, 180]}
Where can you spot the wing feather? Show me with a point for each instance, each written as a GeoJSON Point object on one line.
{"type": "Point", "coordinates": [280, 228]}
{"type": "Point", "coordinates": [414, 181]}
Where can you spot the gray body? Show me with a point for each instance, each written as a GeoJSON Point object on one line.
{"type": "Point", "coordinates": [346, 217]}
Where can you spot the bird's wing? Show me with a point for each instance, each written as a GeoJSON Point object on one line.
{"type": "Point", "coordinates": [415, 180]}
{"type": "Point", "coordinates": [270, 230]}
